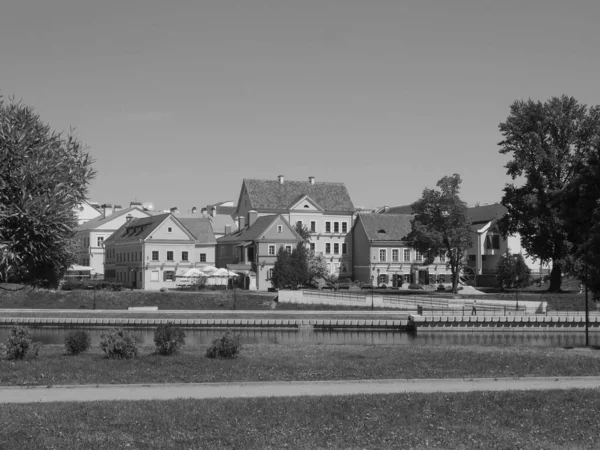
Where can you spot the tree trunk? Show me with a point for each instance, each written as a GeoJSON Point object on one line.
{"type": "Point", "coordinates": [555, 277]}
{"type": "Point", "coordinates": [454, 281]}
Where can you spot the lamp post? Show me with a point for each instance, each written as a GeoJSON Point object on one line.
{"type": "Point", "coordinates": [234, 282]}
{"type": "Point", "coordinates": [372, 293]}
{"type": "Point", "coordinates": [587, 312]}
{"type": "Point", "coordinates": [517, 280]}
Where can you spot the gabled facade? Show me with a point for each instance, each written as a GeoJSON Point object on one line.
{"type": "Point", "coordinates": [148, 253]}
{"type": "Point", "coordinates": [86, 212]}
{"type": "Point", "coordinates": [91, 235]}
{"type": "Point", "coordinates": [324, 208]}
{"type": "Point", "coordinates": [383, 256]}
{"type": "Point", "coordinates": [253, 249]}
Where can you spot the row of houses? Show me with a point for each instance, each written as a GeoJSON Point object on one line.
{"type": "Point", "coordinates": [147, 250]}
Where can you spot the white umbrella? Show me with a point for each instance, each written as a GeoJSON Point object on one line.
{"type": "Point", "coordinates": [208, 269]}
{"type": "Point", "coordinates": [193, 272]}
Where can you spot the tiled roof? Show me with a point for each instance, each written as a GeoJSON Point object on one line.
{"type": "Point", "coordinates": [137, 229]}
{"type": "Point", "coordinates": [200, 228]}
{"type": "Point", "coordinates": [255, 231]}
{"type": "Point", "coordinates": [101, 220]}
{"type": "Point", "coordinates": [272, 195]}
{"type": "Point", "coordinates": [406, 209]}
{"type": "Point", "coordinates": [220, 221]}
{"type": "Point", "coordinates": [386, 227]}
{"type": "Point", "coordinates": [486, 213]}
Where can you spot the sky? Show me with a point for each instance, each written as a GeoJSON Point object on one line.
{"type": "Point", "coordinates": [179, 101]}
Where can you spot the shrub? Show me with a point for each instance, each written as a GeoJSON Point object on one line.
{"type": "Point", "coordinates": [168, 339]}
{"type": "Point", "coordinates": [118, 344]}
{"type": "Point", "coordinates": [77, 342]}
{"type": "Point", "coordinates": [414, 286]}
{"type": "Point", "coordinates": [225, 346]}
{"type": "Point", "coordinates": [20, 344]}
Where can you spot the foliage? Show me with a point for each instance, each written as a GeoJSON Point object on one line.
{"type": "Point", "coordinates": [43, 176]}
{"type": "Point", "coordinates": [226, 346]}
{"type": "Point", "coordinates": [512, 271]}
{"type": "Point", "coordinates": [168, 339]}
{"type": "Point", "coordinates": [547, 142]}
{"type": "Point", "coordinates": [77, 342]}
{"type": "Point", "coordinates": [72, 285]}
{"type": "Point", "coordinates": [303, 232]}
{"type": "Point", "coordinates": [117, 343]}
{"type": "Point", "coordinates": [441, 227]}
{"type": "Point", "coordinates": [20, 344]}
{"type": "Point", "coordinates": [414, 286]}
{"type": "Point", "coordinates": [317, 267]}
{"type": "Point", "coordinates": [291, 269]}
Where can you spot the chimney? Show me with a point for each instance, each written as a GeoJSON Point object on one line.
{"type": "Point", "coordinates": [135, 203]}
{"type": "Point", "coordinates": [106, 209]}
{"type": "Point", "coordinates": [241, 222]}
{"type": "Point", "coordinates": [311, 180]}
{"type": "Point", "coordinates": [174, 210]}
{"type": "Point", "coordinates": [280, 178]}
{"type": "Point", "coordinates": [227, 229]}
{"type": "Point", "coordinates": [252, 216]}
{"type": "Point", "coordinates": [194, 209]}
{"type": "Point", "coordinates": [213, 211]}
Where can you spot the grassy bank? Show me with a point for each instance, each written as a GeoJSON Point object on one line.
{"type": "Point", "coordinates": [495, 420]}
{"type": "Point", "coordinates": [272, 362]}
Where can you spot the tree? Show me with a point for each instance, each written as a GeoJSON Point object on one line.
{"type": "Point", "coordinates": [303, 232]}
{"type": "Point", "coordinates": [547, 142]}
{"type": "Point", "coordinates": [317, 267]}
{"type": "Point", "coordinates": [291, 269]}
{"type": "Point", "coordinates": [441, 227]}
{"type": "Point", "coordinates": [43, 176]}
{"type": "Point", "coordinates": [512, 270]}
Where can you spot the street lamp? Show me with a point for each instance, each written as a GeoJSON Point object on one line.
{"type": "Point", "coordinates": [372, 293]}
{"type": "Point", "coordinates": [517, 280]}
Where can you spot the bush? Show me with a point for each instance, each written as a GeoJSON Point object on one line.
{"type": "Point", "coordinates": [77, 342]}
{"type": "Point", "coordinates": [20, 344]}
{"type": "Point", "coordinates": [225, 346]}
{"type": "Point", "coordinates": [415, 286]}
{"type": "Point", "coordinates": [168, 339]}
{"type": "Point", "coordinates": [118, 344]}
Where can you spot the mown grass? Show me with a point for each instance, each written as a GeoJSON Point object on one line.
{"type": "Point", "coordinates": [306, 362]}
{"type": "Point", "coordinates": [478, 420]}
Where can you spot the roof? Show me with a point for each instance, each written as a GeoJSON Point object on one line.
{"type": "Point", "coordinates": [406, 209]}
{"type": "Point", "coordinates": [486, 213]}
{"type": "Point", "coordinates": [273, 195]}
{"type": "Point", "coordinates": [256, 230]}
{"type": "Point", "coordinates": [200, 227]}
{"type": "Point", "coordinates": [101, 220]}
{"type": "Point", "coordinates": [137, 229]}
{"type": "Point", "coordinates": [386, 227]}
{"type": "Point", "coordinates": [220, 220]}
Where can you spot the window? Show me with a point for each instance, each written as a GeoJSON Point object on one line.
{"type": "Point", "coordinates": [344, 249]}
{"type": "Point", "coordinates": [313, 226]}
{"type": "Point", "coordinates": [328, 248]}
{"type": "Point", "coordinates": [271, 250]}
{"type": "Point", "coordinates": [299, 224]}
{"type": "Point", "coordinates": [169, 256]}
{"type": "Point", "coordinates": [395, 255]}
{"type": "Point", "coordinates": [269, 274]}
{"type": "Point", "coordinates": [127, 256]}
{"type": "Point", "coordinates": [419, 257]}
{"type": "Point", "coordinates": [336, 248]}
{"type": "Point", "coordinates": [336, 227]}
{"type": "Point", "coordinates": [492, 242]}
{"type": "Point", "coordinates": [406, 255]}
{"type": "Point", "coordinates": [344, 227]}
{"type": "Point", "coordinates": [184, 256]}
{"type": "Point", "coordinates": [169, 275]}
{"type": "Point", "coordinates": [279, 228]}
{"type": "Point", "coordinates": [382, 254]}
{"type": "Point", "coordinates": [202, 257]}
{"type": "Point", "coordinates": [327, 227]}
{"type": "Point", "coordinates": [312, 247]}
{"type": "Point", "coordinates": [100, 240]}
{"type": "Point", "coordinates": [169, 230]}
{"type": "Point", "coordinates": [471, 257]}
{"type": "Point", "coordinates": [288, 248]}
{"type": "Point", "coordinates": [383, 279]}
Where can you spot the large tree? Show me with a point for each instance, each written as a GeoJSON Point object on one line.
{"type": "Point", "coordinates": [547, 142]}
{"type": "Point", "coordinates": [441, 227]}
{"type": "Point", "coordinates": [43, 176]}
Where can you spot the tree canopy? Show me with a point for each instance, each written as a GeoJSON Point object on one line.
{"type": "Point", "coordinates": [441, 227]}
{"type": "Point", "coordinates": [547, 142]}
{"type": "Point", "coordinates": [512, 271]}
{"type": "Point", "coordinates": [291, 269]}
{"type": "Point", "coordinates": [44, 175]}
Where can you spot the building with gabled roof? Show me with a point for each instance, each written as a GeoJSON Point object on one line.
{"type": "Point", "coordinates": [253, 249]}
{"type": "Point", "coordinates": [324, 208]}
{"type": "Point", "coordinates": [149, 253]}
{"type": "Point", "coordinates": [91, 235]}
{"type": "Point", "coordinates": [86, 211]}
{"type": "Point", "coordinates": [384, 257]}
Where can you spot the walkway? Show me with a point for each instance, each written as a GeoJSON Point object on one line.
{"type": "Point", "coordinates": [82, 393]}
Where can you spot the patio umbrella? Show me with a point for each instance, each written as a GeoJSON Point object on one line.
{"type": "Point", "coordinates": [193, 272]}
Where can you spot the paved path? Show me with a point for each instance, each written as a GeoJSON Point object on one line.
{"type": "Point", "coordinates": [82, 393]}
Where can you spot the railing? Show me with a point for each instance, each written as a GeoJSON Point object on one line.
{"type": "Point", "coordinates": [337, 295]}
{"type": "Point", "coordinates": [469, 311]}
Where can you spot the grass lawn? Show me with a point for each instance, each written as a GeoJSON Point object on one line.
{"type": "Point", "coordinates": [273, 362]}
{"type": "Point", "coordinates": [496, 420]}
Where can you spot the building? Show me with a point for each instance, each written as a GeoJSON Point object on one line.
{"type": "Point", "coordinates": [91, 235]}
{"type": "Point", "coordinates": [383, 256]}
{"type": "Point", "coordinates": [86, 211]}
{"type": "Point", "coordinates": [147, 253]}
{"type": "Point", "coordinates": [324, 208]}
{"type": "Point", "coordinates": [252, 250]}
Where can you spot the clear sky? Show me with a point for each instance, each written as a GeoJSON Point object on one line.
{"type": "Point", "coordinates": [179, 100]}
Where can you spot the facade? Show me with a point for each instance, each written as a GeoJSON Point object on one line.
{"type": "Point", "coordinates": [383, 256]}
{"type": "Point", "coordinates": [86, 212]}
{"type": "Point", "coordinates": [253, 249]}
{"type": "Point", "coordinates": [324, 208]}
{"type": "Point", "coordinates": [147, 253]}
{"type": "Point", "coordinates": [91, 235]}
